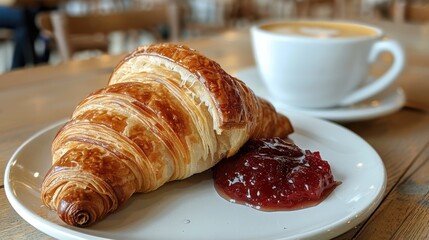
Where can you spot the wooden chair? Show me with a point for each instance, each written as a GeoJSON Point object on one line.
{"type": "Point", "coordinates": [88, 32]}
{"type": "Point", "coordinates": [410, 11]}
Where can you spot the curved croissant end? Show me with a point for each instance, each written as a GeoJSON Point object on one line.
{"type": "Point", "coordinates": [168, 113]}
{"type": "Point", "coordinates": [80, 213]}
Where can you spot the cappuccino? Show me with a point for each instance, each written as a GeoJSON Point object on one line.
{"type": "Point", "coordinates": [321, 64]}
{"type": "Point", "coordinates": [320, 29]}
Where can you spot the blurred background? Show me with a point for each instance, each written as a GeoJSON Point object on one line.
{"type": "Point", "coordinates": [36, 32]}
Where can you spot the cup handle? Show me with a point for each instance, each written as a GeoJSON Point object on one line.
{"type": "Point", "coordinates": [386, 79]}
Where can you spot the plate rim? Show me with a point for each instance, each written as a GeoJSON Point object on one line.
{"type": "Point", "coordinates": [365, 212]}
{"type": "Point", "coordinates": [336, 228]}
{"type": "Point", "coordinates": [41, 224]}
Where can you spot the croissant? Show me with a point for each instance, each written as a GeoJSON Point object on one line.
{"type": "Point", "coordinates": [167, 113]}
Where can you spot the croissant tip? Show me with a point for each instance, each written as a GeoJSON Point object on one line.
{"type": "Point", "coordinates": [76, 214]}
{"type": "Point", "coordinates": [81, 219]}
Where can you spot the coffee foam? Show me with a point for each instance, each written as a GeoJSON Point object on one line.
{"type": "Point", "coordinates": [319, 29]}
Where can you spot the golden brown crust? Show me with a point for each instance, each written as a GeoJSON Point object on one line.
{"type": "Point", "coordinates": [157, 121]}
{"type": "Point", "coordinates": [224, 88]}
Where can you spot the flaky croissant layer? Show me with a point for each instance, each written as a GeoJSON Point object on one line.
{"type": "Point", "coordinates": [167, 113]}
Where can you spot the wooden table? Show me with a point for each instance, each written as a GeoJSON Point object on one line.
{"type": "Point", "coordinates": [34, 98]}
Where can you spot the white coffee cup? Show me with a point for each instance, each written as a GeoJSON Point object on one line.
{"type": "Point", "coordinates": [317, 64]}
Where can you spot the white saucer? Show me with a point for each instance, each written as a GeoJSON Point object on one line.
{"type": "Point", "coordinates": [384, 103]}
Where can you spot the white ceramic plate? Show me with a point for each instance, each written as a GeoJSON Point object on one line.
{"type": "Point", "coordinates": [191, 208]}
{"type": "Point", "coordinates": [384, 103]}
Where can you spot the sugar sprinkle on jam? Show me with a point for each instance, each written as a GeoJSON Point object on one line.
{"type": "Point", "coordinates": [272, 174]}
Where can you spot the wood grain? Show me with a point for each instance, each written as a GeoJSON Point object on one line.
{"type": "Point", "coordinates": [32, 99]}
{"type": "Point", "coordinates": [12, 226]}
{"type": "Point", "coordinates": [397, 138]}
{"type": "Point", "coordinates": [405, 212]}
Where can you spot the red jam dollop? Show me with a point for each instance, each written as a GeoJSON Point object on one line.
{"type": "Point", "coordinates": [272, 174]}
